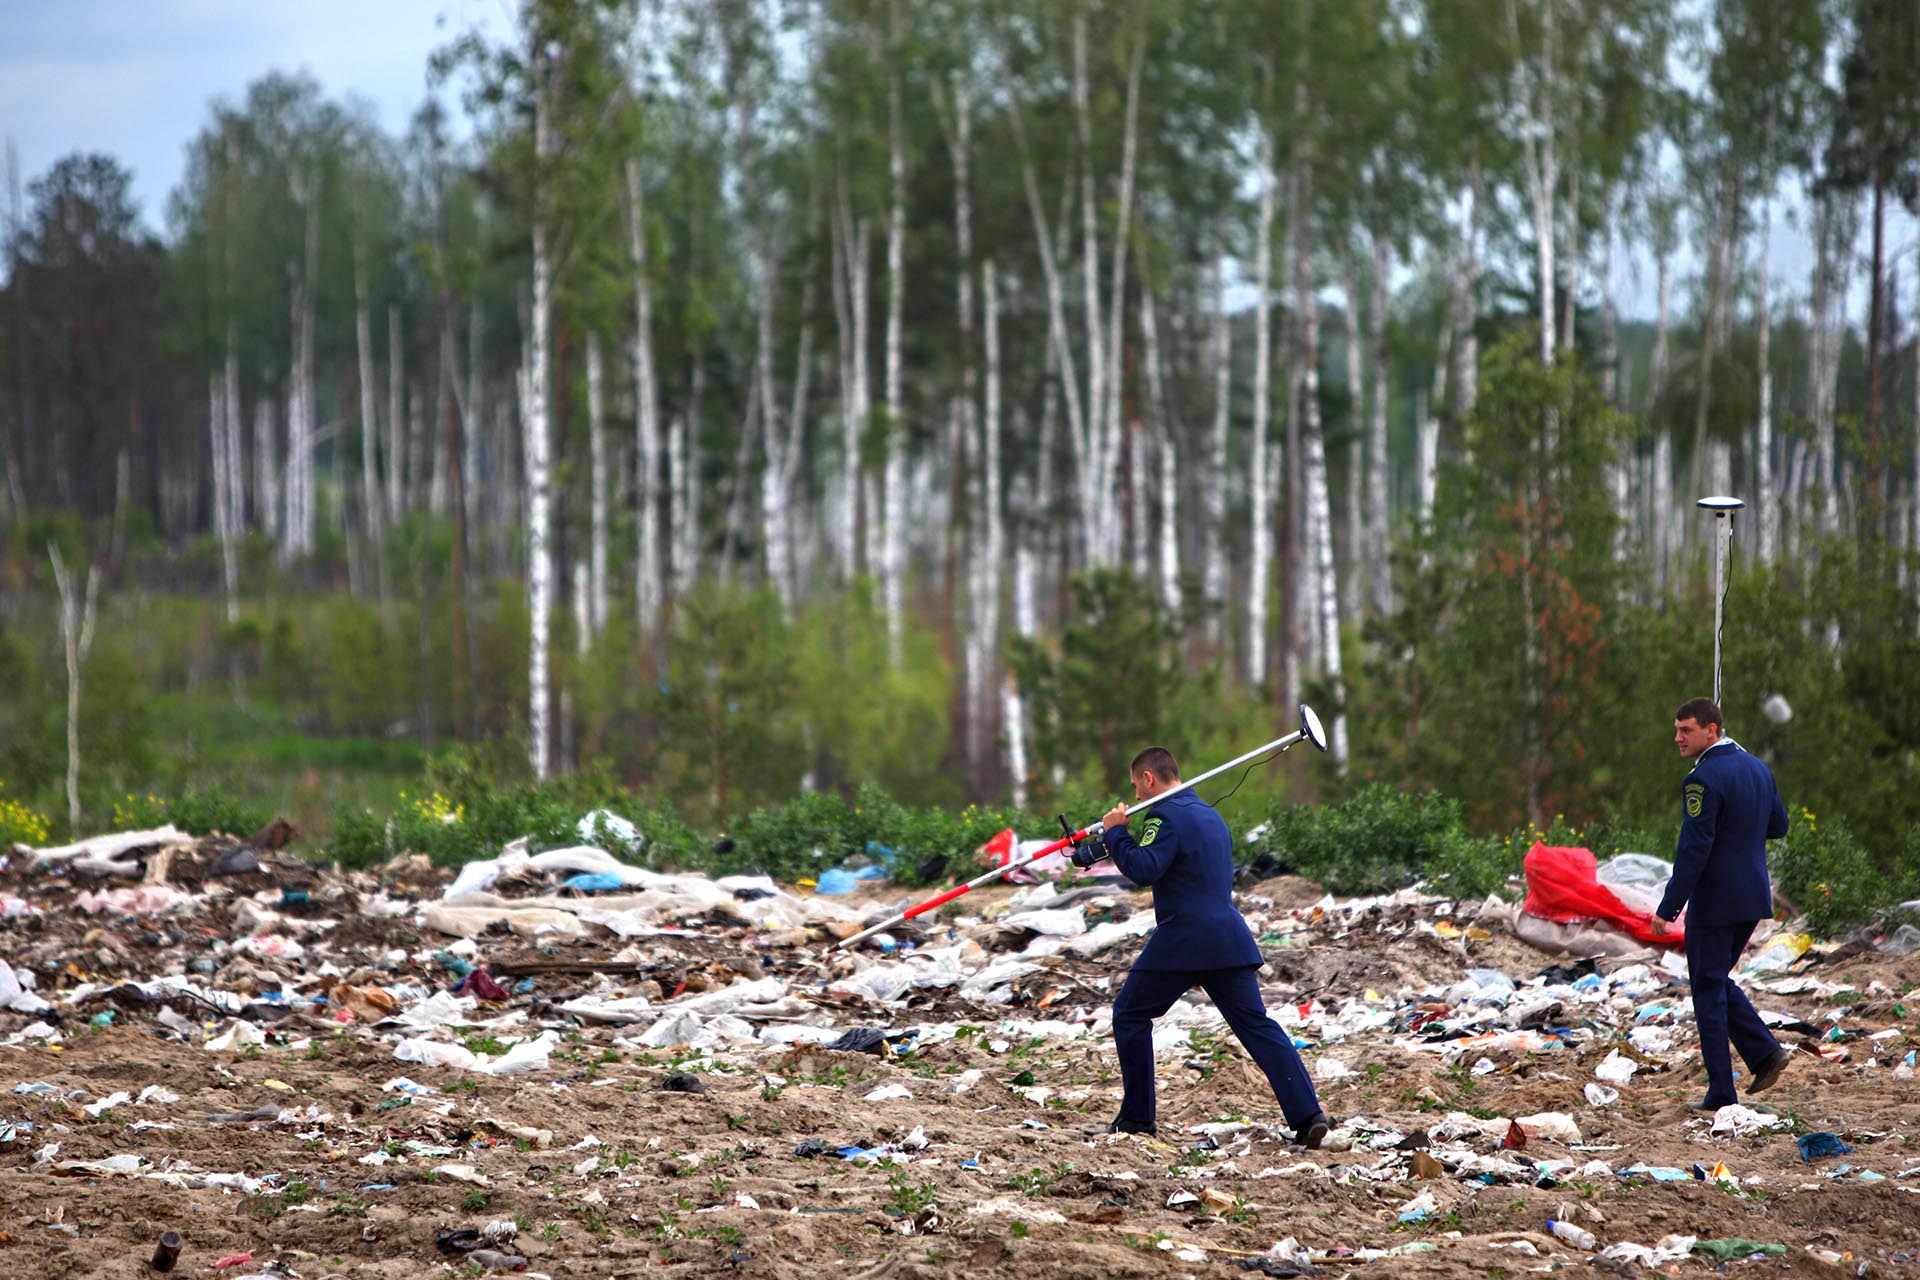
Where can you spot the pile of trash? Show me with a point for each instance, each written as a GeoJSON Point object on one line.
{"type": "Point", "coordinates": [1461, 1045]}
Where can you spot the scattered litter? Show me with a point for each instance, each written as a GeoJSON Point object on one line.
{"type": "Point", "coordinates": [1818, 1146]}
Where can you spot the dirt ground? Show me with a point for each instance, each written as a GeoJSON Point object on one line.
{"type": "Point", "coordinates": [596, 1167]}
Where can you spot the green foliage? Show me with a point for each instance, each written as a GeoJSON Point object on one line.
{"type": "Point", "coordinates": [1379, 840]}
{"type": "Point", "coordinates": [361, 670]}
{"type": "Point", "coordinates": [1822, 869]}
{"type": "Point", "coordinates": [1523, 635]}
{"type": "Point", "coordinates": [20, 823]}
{"type": "Point", "coordinates": [725, 700]}
{"type": "Point", "coordinates": [817, 830]}
{"type": "Point", "coordinates": [1117, 684]}
{"type": "Point", "coordinates": [888, 723]}
{"type": "Point", "coordinates": [194, 811]}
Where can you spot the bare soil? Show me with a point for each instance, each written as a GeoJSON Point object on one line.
{"type": "Point", "coordinates": [639, 1179]}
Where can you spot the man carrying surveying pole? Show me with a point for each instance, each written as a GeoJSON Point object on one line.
{"type": "Point", "coordinates": [1185, 854]}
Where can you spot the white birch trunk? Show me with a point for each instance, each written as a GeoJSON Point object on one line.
{"type": "Point", "coordinates": [1835, 225]}
{"type": "Point", "coordinates": [536, 394]}
{"type": "Point", "coordinates": [1114, 334]}
{"type": "Point", "coordinates": [266, 466]}
{"type": "Point", "coordinates": [647, 584]}
{"type": "Point", "coordinates": [76, 635]}
{"type": "Point", "coordinates": [856, 399]}
{"type": "Point", "coordinates": [986, 619]}
{"type": "Point", "coordinates": [1660, 544]}
{"type": "Point", "coordinates": [224, 423]}
{"type": "Point", "coordinates": [1213, 487]}
{"type": "Point", "coordinates": [1026, 623]}
{"type": "Point", "coordinates": [1763, 434]}
{"type": "Point", "coordinates": [1260, 546]}
{"type": "Point", "coordinates": [369, 419]}
{"type": "Point", "coordinates": [1164, 459]}
{"type": "Point", "coordinates": [300, 460]}
{"type": "Point", "coordinates": [396, 419]}
{"type": "Point", "coordinates": [783, 453]}
{"type": "Point", "coordinates": [287, 520]}
{"type": "Point", "coordinates": [1325, 582]}
{"type": "Point", "coordinates": [1534, 88]}
{"type": "Point", "coordinates": [1378, 494]}
{"type": "Point", "coordinates": [597, 591]}
{"type": "Point", "coordinates": [895, 552]}
{"type": "Point", "coordinates": [677, 486]}
{"type": "Point", "coordinates": [1466, 338]}
{"type": "Point", "coordinates": [473, 435]}
{"type": "Point", "coordinates": [1060, 346]}
{"type": "Point", "coordinates": [1099, 551]}
{"type": "Point", "coordinates": [1426, 462]}
{"type": "Point", "coordinates": [1620, 470]}
{"type": "Point", "coordinates": [1357, 418]}
{"type": "Point", "coordinates": [1169, 522]}
{"type": "Point", "coordinates": [582, 617]}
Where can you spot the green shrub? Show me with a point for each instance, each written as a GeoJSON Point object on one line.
{"type": "Point", "coordinates": [1822, 869]}
{"type": "Point", "coordinates": [193, 811]}
{"type": "Point", "coordinates": [19, 823]}
{"type": "Point", "coordinates": [461, 814]}
{"type": "Point", "coordinates": [1379, 840]}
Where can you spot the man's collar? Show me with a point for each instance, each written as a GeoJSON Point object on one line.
{"type": "Point", "coordinates": [1725, 742]}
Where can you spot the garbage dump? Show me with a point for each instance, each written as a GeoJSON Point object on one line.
{"type": "Point", "coordinates": [558, 1063]}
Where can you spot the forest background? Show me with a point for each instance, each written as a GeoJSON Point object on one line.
{"type": "Point", "coordinates": [854, 425]}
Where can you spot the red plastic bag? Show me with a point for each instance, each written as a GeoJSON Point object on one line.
{"type": "Point", "coordinates": [1563, 885]}
{"type": "Point", "coordinates": [999, 850]}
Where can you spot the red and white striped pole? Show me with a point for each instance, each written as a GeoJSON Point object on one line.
{"type": "Point", "coordinates": [1309, 729]}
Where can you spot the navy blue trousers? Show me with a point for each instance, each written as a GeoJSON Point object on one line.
{"type": "Point", "coordinates": [1721, 1009]}
{"type": "Point", "coordinates": [1148, 993]}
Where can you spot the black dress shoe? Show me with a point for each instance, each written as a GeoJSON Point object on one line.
{"type": "Point", "coordinates": [1123, 1126]}
{"type": "Point", "coordinates": [1769, 1071]}
{"type": "Point", "coordinates": [1313, 1131]}
{"type": "Point", "coordinates": [1704, 1105]}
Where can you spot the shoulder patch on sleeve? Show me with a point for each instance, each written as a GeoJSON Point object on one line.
{"type": "Point", "coordinates": [1151, 830]}
{"type": "Point", "coordinates": [1696, 797]}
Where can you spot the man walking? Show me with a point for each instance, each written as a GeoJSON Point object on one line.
{"type": "Point", "coordinates": [1185, 854]}
{"type": "Point", "coordinates": [1729, 809]}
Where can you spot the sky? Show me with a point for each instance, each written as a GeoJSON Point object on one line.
{"type": "Point", "coordinates": [136, 79]}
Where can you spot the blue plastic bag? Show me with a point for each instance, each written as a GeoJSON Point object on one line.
{"type": "Point", "coordinates": [839, 880]}
{"type": "Point", "coordinates": [593, 882]}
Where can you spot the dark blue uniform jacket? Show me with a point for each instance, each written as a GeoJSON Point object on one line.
{"type": "Point", "coordinates": [1185, 853]}
{"type": "Point", "coordinates": [1729, 809]}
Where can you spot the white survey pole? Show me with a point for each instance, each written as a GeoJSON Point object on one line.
{"type": "Point", "coordinates": [1723, 509]}
{"type": "Point", "coordinates": [1310, 730]}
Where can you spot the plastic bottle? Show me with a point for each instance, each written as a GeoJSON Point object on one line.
{"type": "Point", "coordinates": [1578, 1237]}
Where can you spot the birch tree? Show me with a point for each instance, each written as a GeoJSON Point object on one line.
{"type": "Point", "coordinates": [647, 454]}
{"type": "Point", "coordinates": [76, 636]}
{"type": "Point", "coordinates": [1767, 72]}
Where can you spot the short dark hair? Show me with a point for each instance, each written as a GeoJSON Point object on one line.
{"type": "Point", "coordinates": [1702, 711]}
{"type": "Point", "coordinates": [1157, 760]}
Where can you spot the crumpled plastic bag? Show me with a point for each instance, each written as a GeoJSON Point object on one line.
{"type": "Point", "coordinates": [1638, 879]}
{"type": "Point", "coordinates": [614, 827]}
{"type": "Point", "coordinates": [1741, 1121]}
{"type": "Point", "coordinates": [1616, 1069]}
{"type": "Point", "coordinates": [139, 900]}
{"type": "Point", "coordinates": [1818, 1146]}
{"type": "Point", "coordinates": [1563, 885]}
{"type": "Point", "coordinates": [14, 992]}
{"type": "Point", "coordinates": [837, 881]}
{"type": "Point", "coordinates": [1780, 952]}
{"type": "Point", "coordinates": [527, 1055]}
